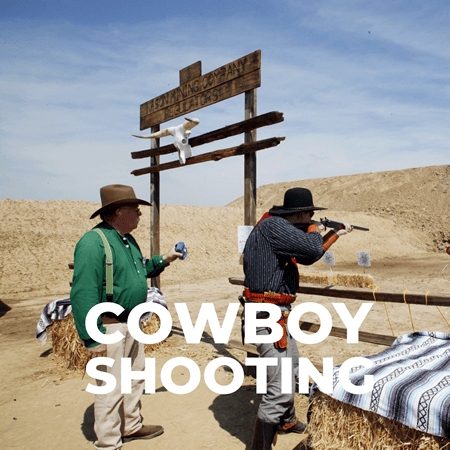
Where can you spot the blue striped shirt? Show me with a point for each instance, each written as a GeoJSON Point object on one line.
{"type": "Point", "coordinates": [269, 251]}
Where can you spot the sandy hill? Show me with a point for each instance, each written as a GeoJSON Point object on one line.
{"type": "Point", "coordinates": [407, 212]}
{"type": "Point", "coordinates": [416, 198]}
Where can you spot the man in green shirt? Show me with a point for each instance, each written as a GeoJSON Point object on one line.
{"type": "Point", "coordinates": [117, 415]}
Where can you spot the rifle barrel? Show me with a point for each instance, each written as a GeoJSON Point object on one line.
{"type": "Point", "coordinates": [356, 227]}
{"type": "Point", "coordinates": [332, 223]}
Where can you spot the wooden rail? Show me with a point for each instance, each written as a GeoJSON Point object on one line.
{"type": "Point", "coordinates": [370, 295]}
{"type": "Point", "coordinates": [263, 120]}
{"type": "Point", "coordinates": [213, 156]}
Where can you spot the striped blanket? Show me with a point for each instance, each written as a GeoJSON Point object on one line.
{"type": "Point", "coordinates": [59, 309]}
{"type": "Point", "coordinates": [411, 383]}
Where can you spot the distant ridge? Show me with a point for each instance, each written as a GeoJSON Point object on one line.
{"type": "Point", "coordinates": [417, 198]}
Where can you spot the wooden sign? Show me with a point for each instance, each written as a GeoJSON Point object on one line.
{"type": "Point", "coordinates": [232, 79]}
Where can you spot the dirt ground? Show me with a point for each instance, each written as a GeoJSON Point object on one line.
{"type": "Point", "coordinates": [45, 406]}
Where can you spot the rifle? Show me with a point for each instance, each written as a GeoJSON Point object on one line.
{"type": "Point", "coordinates": [339, 225]}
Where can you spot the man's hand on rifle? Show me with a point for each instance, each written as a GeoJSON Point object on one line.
{"type": "Point", "coordinates": [344, 228]}
{"type": "Point", "coordinates": [337, 226]}
{"type": "Point", "coordinates": [318, 227]}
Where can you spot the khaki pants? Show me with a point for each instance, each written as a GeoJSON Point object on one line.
{"type": "Point", "coordinates": [117, 414]}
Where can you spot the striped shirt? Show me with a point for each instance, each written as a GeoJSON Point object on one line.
{"type": "Point", "coordinates": [268, 253]}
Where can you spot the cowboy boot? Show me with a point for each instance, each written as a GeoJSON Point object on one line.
{"type": "Point", "coordinates": [294, 427]}
{"type": "Point", "coordinates": [264, 435]}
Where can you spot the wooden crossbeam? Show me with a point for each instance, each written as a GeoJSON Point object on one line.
{"type": "Point", "coordinates": [364, 336]}
{"type": "Point", "coordinates": [370, 295]}
{"type": "Point", "coordinates": [213, 156]}
{"type": "Point", "coordinates": [252, 352]}
{"type": "Point", "coordinates": [263, 120]}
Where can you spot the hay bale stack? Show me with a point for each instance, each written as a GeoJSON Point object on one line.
{"type": "Point", "coordinates": [67, 346]}
{"type": "Point", "coordinates": [337, 279]}
{"type": "Point", "coordinates": [334, 425]}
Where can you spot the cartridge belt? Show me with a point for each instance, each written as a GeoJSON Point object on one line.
{"type": "Point", "coordinates": [269, 297]}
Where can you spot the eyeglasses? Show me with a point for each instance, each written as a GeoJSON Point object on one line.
{"type": "Point", "coordinates": [133, 208]}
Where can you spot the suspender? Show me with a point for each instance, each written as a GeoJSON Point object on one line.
{"type": "Point", "coordinates": [108, 266]}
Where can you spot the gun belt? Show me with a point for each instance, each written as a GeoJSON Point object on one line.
{"type": "Point", "coordinates": [269, 297]}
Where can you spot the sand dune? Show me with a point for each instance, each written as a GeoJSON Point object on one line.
{"type": "Point", "coordinates": [44, 406]}
{"type": "Point", "coordinates": [407, 212]}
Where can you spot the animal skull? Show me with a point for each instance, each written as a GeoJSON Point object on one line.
{"type": "Point", "coordinates": [180, 135]}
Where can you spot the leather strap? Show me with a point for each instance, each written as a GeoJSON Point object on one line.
{"type": "Point", "coordinates": [283, 342]}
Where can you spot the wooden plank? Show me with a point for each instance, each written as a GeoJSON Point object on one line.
{"type": "Point", "coordinates": [213, 156]}
{"type": "Point", "coordinates": [364, 336]}
{"type": "Point", "coordinates": [252, 352]}
{"type": "Point", "coordinates": [190, 72]}
{"type": "Point", "coordinates": [199, 86]}
{"type": "Point", "coordinates": [370, 295]}
{"type": "Point", "coordinates": [250, 163]}
{"type": "Point", "coordinates": [249, 348]}
{"type": "Point", "coordinates": [263, 120]}
{"type": "Point", "coordinates": [155, 198]}
{"type": "Point", "coordinates": [206, 98]}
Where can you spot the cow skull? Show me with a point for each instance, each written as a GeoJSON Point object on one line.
{"type": "Point", "coordinates": [180, 135]}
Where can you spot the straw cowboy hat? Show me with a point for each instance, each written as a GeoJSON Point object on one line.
{"type": "Point", "coordinates": [115, 195]}
{"type": "Point", "coordinates": [295, 200]}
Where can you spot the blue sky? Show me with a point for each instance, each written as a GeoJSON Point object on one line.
{"type": "Point", "coordinates": [364, 87]}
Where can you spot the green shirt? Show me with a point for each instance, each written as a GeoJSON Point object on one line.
{"type": "Point", "coordinates": [89, 280]}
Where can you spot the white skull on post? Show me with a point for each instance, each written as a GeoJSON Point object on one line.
{"type": "Point", "coordinates": [180, 135]}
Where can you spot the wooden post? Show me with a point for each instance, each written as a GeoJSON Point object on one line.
{"type": "Point", "coordinates": [250, 184]}
{"type": "Point", "coordinates": [155, 208]}
{"type": "Point", "coordinates": [250, 163]}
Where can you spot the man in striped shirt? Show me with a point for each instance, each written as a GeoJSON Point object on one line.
{"type": "Point", "coordinates": [284, 237]}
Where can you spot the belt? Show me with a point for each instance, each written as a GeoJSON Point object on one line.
{"type": "Point", "coordinates": [108, 319]}
{"type": "Point", "coordinates": [269, 297]}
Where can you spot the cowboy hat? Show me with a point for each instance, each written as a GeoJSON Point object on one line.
{"type": "Point", "coordinates": [295, 200]}
{"type": "Point", "coordinates": [115, 195]}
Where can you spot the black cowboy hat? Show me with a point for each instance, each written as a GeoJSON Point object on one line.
{"type": "Point", "coordinates": [115, 195]}
{"type": "Point", "coordinates": [295, 200]}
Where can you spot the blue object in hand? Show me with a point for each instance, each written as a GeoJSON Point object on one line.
{"type": "Point", "coordinates": [181, 248]}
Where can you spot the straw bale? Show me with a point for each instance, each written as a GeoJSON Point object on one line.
{"type": "Point", "coordinates": [338, 279]}
{"type": "Point", "coordinates": [150, 327]}
{"type": "Point", "coordinates": [67, 346]}
{"type": "Point", "coordinates": [335, 425]}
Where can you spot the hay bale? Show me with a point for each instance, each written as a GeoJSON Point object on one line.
{"type": "Point", "coordinates": [67, 346]}
{"type": "Point", "coordinates": [338, 279]}
{"type": "Point", "coordinates": [359, 281]}
{"type": "Point", "coordinates": [150, 327]}
{"type": "Point", "coordinates": [336, 425]}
